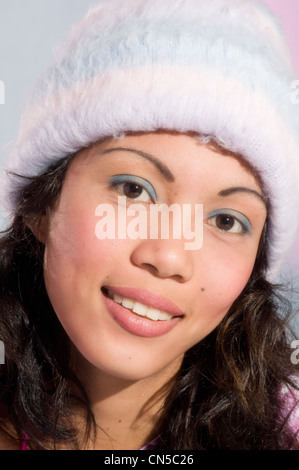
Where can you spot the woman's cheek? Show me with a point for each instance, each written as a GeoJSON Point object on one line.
{"type": "Point", "coordinates": [225, 278]}
{"type": "Point", "coordinates": [76, 260]}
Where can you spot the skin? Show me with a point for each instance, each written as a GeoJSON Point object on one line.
{"type": "Point", "coordinates": [121, 370]}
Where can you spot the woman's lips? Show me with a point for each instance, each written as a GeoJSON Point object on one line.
{"type": "Point", "coordinates": [155, 315]}
{"type": "Point", "coordinates": [148, 298]}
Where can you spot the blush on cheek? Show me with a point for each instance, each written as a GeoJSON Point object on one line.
{"type": "Point", "coordinates": [226, 286]}
{"type": "Point", "coordinates": [80, 236]}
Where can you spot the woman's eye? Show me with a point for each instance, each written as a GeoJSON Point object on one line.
{"type": "Point", "coordinates": [230, 222]}
{"type": "Point", "coordinates": [133, 187]}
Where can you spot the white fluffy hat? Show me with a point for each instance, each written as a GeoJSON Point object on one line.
{"type": "Point", "coordinates": [219, 68]}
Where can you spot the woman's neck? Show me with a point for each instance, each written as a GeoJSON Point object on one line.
{"type": "Point", "coordinates": [126, 411]}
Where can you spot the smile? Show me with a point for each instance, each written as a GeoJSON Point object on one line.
{"type": "Point", "coordinates": [139, 308]}
{"type": "Point", "coordinates": [141, 312]}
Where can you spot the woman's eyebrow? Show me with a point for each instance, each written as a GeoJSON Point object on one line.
{"type": "Point", "coordinates": [241, 189]}
{"type": "Point", "coordinates": [164, 170]}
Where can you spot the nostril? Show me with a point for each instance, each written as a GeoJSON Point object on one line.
{"type": "Point", "coordinates": [151, 268]}
{"type": "Point", "coordinates": [155, 272]}
{"type": "Point", "coordinates": [178, 278]}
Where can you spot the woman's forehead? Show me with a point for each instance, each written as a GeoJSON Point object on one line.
{"type": "Point", "coordinates": [173, 150]}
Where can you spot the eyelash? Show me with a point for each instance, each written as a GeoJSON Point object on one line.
{"type": "Point", "coordinates": [245, 226]}
{"type": "Point", "coordinates": [118, 183]}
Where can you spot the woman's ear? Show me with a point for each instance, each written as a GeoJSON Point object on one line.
{"type": "Point", "coordinates": [39, 226]}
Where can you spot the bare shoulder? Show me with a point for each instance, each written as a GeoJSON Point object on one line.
{"type": "Point", "coordinates": [8, 443]}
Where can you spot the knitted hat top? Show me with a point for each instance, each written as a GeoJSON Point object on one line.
{"type": "Point", "coordinates": [219, 68]}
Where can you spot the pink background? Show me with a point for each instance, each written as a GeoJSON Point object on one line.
{"type": "Point", "coordinates": [288, 12]}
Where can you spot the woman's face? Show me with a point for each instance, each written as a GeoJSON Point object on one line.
{"type": "Point", "coordinates": [104, 291]}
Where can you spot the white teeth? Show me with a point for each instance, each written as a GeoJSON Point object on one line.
{"type": "Point", "coordinates": [153, 313]}
{"type": "Point", "coordinates": [117, 298]}
{"type": "Point", "coordinates": [141, 309]}
{"type": "Point", "coordinates": [128, 303]}
{"type": "Point", "coordinates": [164, 316]}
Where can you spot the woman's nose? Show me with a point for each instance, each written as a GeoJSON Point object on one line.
{"type": "Point", "coordinates": [164, 258]}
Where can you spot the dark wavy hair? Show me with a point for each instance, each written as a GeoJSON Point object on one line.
{"type": "Point", "coordinates": [226, 394]}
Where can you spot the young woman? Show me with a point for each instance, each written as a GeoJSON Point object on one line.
{"type": "Point", "coordinates": [119, 341]}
